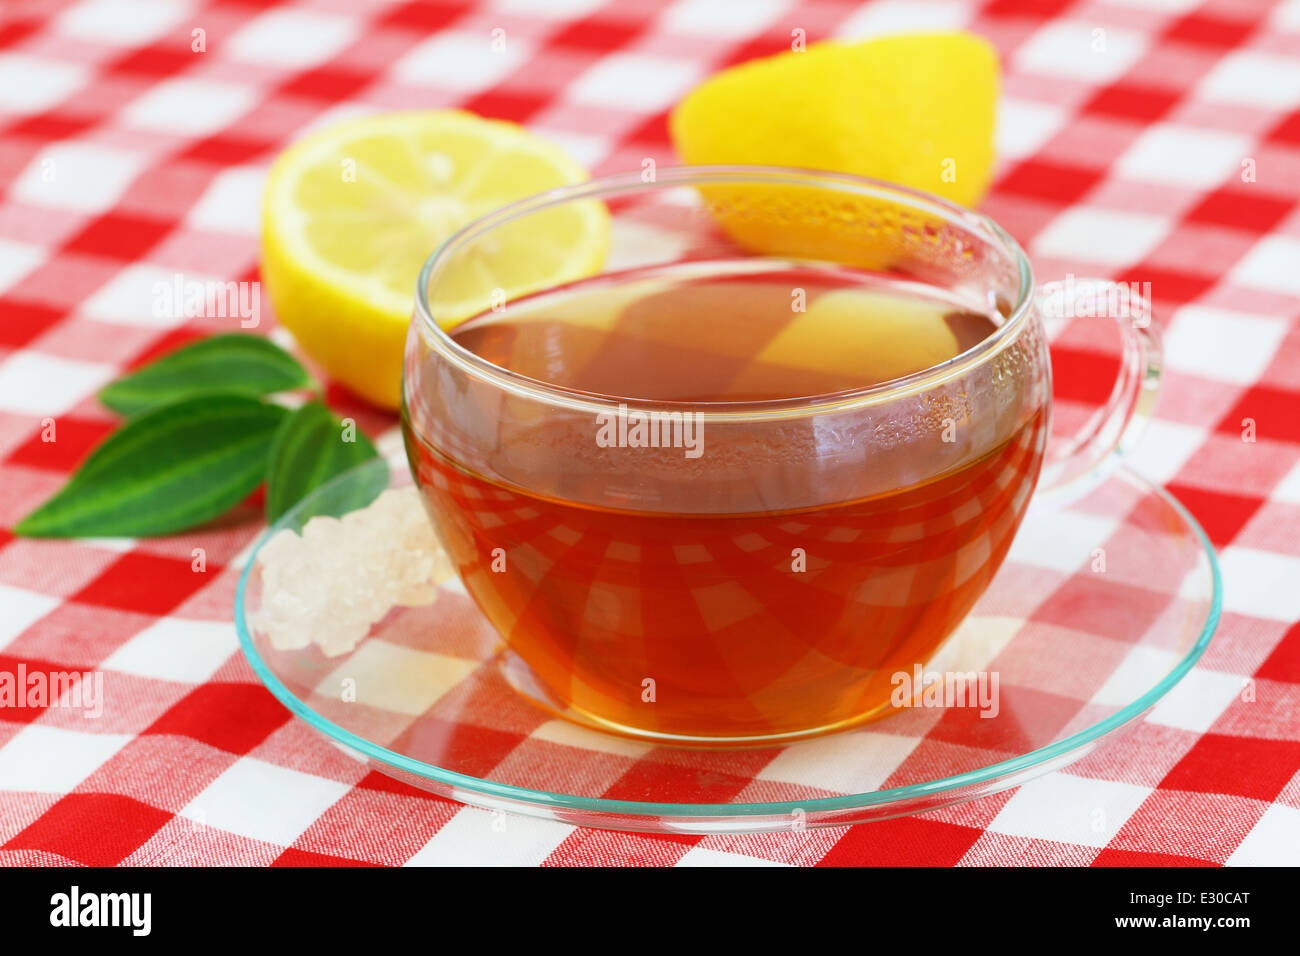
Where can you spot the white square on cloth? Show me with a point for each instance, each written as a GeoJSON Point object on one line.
{"type": "Point", "coordinates": [475, 837]}
{"type": "Point", "coordinates": [176, 649]}
{"type": "Point", "coordinates": [1260, 583]}
{"type": "Point", "coordinates": [1286, 16]}
{"type": "Point", "coordinates": [1061, 540]}
{"type": "Point", "coordinates": [45, 759]}
{"type": "Point", "coordinates": [43, 385]}
{"type": "Point", "coordinates": [1288, 489]}
{"type": "Point", "coordinates": [1080, 50]}
{"type": "Point", "coordinates": [189, 107]}
{"type": "Point", "coordinates": [633, 81]}
{"type": "Point", "coordinates": [1132, 678]}
{"type": "Point", "coordinates": [263, 801]}
{"type": "Point", "coordinates": [904, 16]}
{"type": "Point", "coordinates": [144, 294]}
{"type": "Point", "coordinates": [1165, 448]}
{"type": "Point", "coordinates": [842, 763]}
{"type": "Point", "coordinates": [1069, 809]}
{"type": "Point", "coordinates": [30, 84]}
{"type": "Point", "coordinates": [123, 22]}
{"type": "Point", "coordinates": [1273, 263]}
{"type": "Point", "coordinates": [1024, 126]}
{"type": "Point", "coordinates": [1102, 236]}
{"type": "Point", "coordinates": [721, 18]}
{"type": "Point", "coordinates": [16, 260]}
{"type": "Point", "coordinates": [82, 177]}
{"type": "Point", "coordinates": [462, 61]}
{"type": "Point", "coordinates": [1196, 701]}
{"type": "Point", "coordinates": [20, 609]}
{"type": "Point", "coordinates": [291, 38]}
{"type": "Point", "coordinates": [231, 203]}
{"type": "Point", "coordinates": [1219, 344]}
{"type": "Point", "coordinates": [1183, 156]}
{"type": "Point", "coordinates": [1273, 841]}
{"type": "Point", "coordinates": [1252, 78]}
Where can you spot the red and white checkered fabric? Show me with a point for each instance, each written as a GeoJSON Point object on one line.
{"type": "Point", "coordinates": [1148, 140]}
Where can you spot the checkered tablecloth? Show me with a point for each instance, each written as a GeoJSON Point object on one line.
{"type": "Point", "coordinates": [1148, 140]}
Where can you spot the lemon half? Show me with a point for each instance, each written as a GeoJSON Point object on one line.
{"type": "Point", "coordinates": [352, 211]}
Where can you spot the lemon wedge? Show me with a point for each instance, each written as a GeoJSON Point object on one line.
{"type": "Point", "coordinates": [352, 211]}
{"type": "Point", "coordinates": [915, 109]}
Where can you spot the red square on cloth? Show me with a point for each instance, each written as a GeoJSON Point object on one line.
{"type": "Point", "coordinates": [27, 680]}
{"type": "Point", "coordinates": [24, 321]}
{"type": "Point", "coordinates": [143, 582]}
{"type": "Point", "coordinates": [226, 149]}
{"type": "Point", "coordinates": [232, 717]}
{"type": "Point", "coordinates": [1284, 663]}
{"type": "Point", "coordinates": [1240, 208]}
{"type": "Point", "coordinates": [96, 829]}
{"type": "Point", "coordinates": [655, 781]}
{"type": "Point", "coordinates": [73, 440]}
{"type": "Point", "coordinates": [1052, 181]}
{"type": "Point", "coordinates": [1082, 376]}
{"type": "Point", "coordinates": [1244, 766]}
{"type": "Point", "coordinates": [426, 16]}
{"type": "Point", "coordinates": [1209, 30]}
{"type": "Point", "coordinates": [1221, 515]}
{"type": "Point", "coordinates": [596, 33]}
{"type": "Point", "coordinates": [900, 841]}
{"type": "Point", "coordinates": [116, 236]}
{"type": "Point", "coordinates": [1133, 101]}
{"type": "Point", "coordinates": [327, 83]}
{"type": "Point", "coordinates": [1288, 131]}
{"type": "Point", "coordinates": [1275, 413]}
{"type": "Point", "coordinates": [163, 59]}
{"type": "Point", "coordinates": [296, 857]}
{"type": "Point", "coordinates": [477, 749]}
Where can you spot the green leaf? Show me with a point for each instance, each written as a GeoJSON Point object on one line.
{"type": "Point", "coordinates": [234, 362]}
{"type": "Point", "coordinates": [169, 469]}
{"type": "Point", "coordinates": [311, 447]}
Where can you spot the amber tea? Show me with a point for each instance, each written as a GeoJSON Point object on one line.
{"type": "Point", "coordinates": [718, 584]}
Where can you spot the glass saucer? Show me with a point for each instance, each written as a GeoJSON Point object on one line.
{"type": "Point", "coordinates": [1102, 606]}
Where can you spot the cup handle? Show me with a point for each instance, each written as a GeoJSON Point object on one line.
{"type": "Point", "coordinates": [1077, 464]}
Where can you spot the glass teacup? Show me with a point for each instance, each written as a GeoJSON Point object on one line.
{"type": "Point", "coordinates": [737, 566]}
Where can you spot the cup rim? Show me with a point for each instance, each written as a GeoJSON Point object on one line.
{"type": "Point", "coordinates": [687, 175]}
